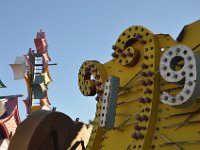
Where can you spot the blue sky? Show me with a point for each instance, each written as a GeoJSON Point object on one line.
{"type": "Point", "coordinates": [77, 31]}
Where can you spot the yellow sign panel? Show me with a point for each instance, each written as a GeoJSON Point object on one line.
{"type": "Point", "coordinates": [157, 100]}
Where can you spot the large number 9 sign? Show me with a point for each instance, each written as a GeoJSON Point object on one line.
{"type": "Point", "coordinates": [180, 65]}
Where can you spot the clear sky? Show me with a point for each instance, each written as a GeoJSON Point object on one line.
{"type": "Point", "coordinates": [77, 31]}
